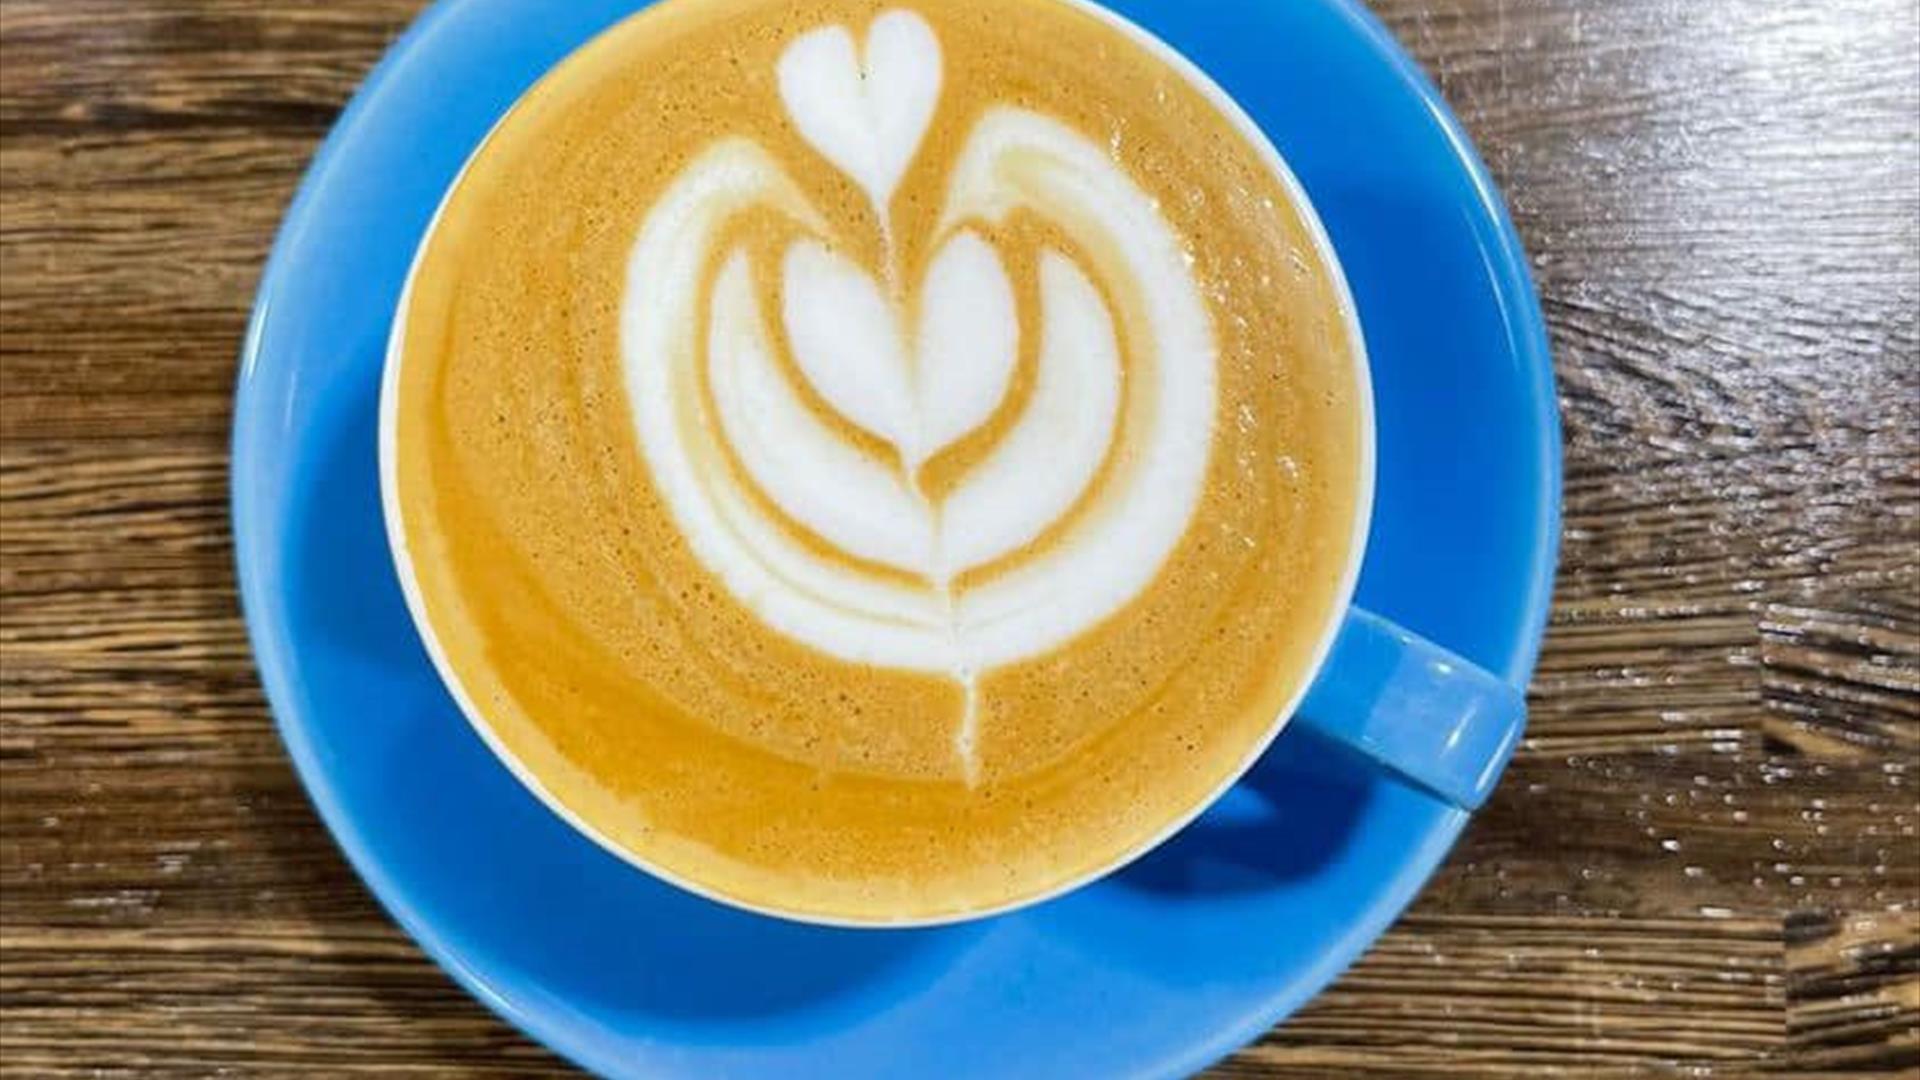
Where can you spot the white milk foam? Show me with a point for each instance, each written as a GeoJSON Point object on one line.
{"type": "Point", "coordinates": [920, 388]}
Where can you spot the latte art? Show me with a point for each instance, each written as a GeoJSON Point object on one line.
{"type": "Point", "coordinates": [751, 468]}
{"type": "Point", "coordinates": [874, 460]}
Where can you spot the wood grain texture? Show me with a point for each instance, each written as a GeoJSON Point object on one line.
{"type": "Point", "coordinates": [1704, 861]}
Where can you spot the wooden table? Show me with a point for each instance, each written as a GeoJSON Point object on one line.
{"type": "Point", "coordinates": [1704, 861]}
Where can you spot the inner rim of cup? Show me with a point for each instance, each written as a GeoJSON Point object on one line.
{"type": "Point", "coordinates": [1365, 467]}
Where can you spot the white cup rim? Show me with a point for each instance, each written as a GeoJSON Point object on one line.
{"type": "Point", "coordinates": [1323, 647]}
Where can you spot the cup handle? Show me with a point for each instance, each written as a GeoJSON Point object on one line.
{"type": "Point", "coordinates": [1416, 709]}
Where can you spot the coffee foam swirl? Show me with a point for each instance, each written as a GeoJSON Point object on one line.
{"type": "Point", "coordinates": [571, 464]}
{"type": "Point", "coordinates": [795, 457]}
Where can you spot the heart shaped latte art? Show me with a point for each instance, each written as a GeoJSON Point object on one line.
{"type": "Point", "coordinates": [758, 420]}
{"type": "Point", "coordinates": [919, 393]}
{"type": "Point", "coordinates": [865, 110]}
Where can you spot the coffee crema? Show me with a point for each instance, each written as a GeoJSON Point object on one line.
{"type": "Point", "coordinates": [874, 463]}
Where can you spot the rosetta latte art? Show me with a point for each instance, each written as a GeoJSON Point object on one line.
{"type": "Point", "coordinates": [876, 465]}
{"type": "Point", "coordinates": [1072, 510]}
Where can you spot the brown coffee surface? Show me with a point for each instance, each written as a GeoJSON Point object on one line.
{"type": "Point", "coordinates": [624, 677]}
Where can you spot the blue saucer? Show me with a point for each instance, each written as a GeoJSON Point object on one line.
{"type": "Point", "coordinates": [1153, 972]}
